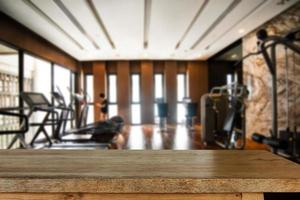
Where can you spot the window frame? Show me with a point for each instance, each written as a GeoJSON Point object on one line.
{"type": "Point", "coordinates": [21, 65]}
{"type": "Point", "coordinates": [185, 87]}
{"type": "Point", "coordinates": [155, 99]}
{"type": "Point", "coordinates": [109, 102]}
{"type": "Point", "coordinates": [178, 102]}
{"type": "Point", "coordinates": [131, 97]}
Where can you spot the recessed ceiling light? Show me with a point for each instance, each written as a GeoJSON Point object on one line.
{"type": "Point", "coordinates": [233, 56]}
{"type": "Point", "coordinates": [241, 31]}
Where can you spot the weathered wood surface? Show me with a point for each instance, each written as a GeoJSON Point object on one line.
{"type": "Point", "coordinates": [252, 196]}
{"type": "Point", "coordinates": [88, 171]}
{"type": "Point", "coordinates": [76, 196]}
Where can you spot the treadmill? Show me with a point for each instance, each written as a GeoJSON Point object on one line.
{"type": "Point", "coordinates": [37, 102]}
{"type": "Point", "coordinates": [99, 131]}
{"type": "Point", "coordinates": [19, 134]}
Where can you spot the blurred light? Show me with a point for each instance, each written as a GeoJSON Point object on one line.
{"type": "Point", "coordinates": [241, 31]}
{"type": "Point", "coordinates": [233, 56]}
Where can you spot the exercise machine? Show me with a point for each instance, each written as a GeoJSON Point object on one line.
{"type": "Point", "coordinates": [222, 118]}
{"type": "Point", "coordinates": [284, 142]}
{"type": "Point", "coordinates": [191, 113]}
{"type": "Point", "coordinates": [38, 103]}
{"type": "Point", "coordinates": [100, 131]}
{"type": "Point", "coordinates": [19, 133]}
{"type": "Point", "coordinates": [162, 113]}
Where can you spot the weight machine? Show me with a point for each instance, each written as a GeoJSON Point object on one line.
{"type": "Point", "coordinates": [284, 142]}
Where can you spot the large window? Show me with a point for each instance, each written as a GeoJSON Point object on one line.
{"type": "Point", "coordinates": [158, 93]}
{"type": "Point", "coordinates": [89, 88]}
{"type": "Point", "coordinates": [39, 72]}
{"type": "Point", "coordinates": [112, 95]}
{"type": "Point", "coordinates": [9, 91]}
{"type": "Point", "coordinates": [37, 78]}
{"type": "Point", "coordinates": [62, 82]}
{"type": "Point", "coordinates": [135, 99]}
{"type": "Point", "coordinates": [181, 94]}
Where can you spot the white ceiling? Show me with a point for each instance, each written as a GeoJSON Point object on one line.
{"type": "Point", "coordinates": [142, 29]}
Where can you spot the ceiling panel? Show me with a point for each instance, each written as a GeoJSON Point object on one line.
{"type": "Point", "coordinates": [83, 14]}
{"type": "Point", "coordinates": [169, 20]}
{"type": "Point", "coordinates": [243, 9]}
{"type": "Point", "coordinates": [124, 22]}
{"type": "Point", "coordinates": [114, 29]}
{"type": "Point", "coordinates": [56, 14]}
{"type": "Point", "coordinates": [26, 16]}
{"type": "Point", "coordinates": [261, 15]}
{"type": "Point", "coordinates": [209, 15]}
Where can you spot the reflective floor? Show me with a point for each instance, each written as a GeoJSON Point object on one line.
{"type": "Point", "coordinates": [178, 137]}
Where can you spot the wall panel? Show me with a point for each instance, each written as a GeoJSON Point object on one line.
{"type": "Point", "coordinates": [123, 86]}
{"type": "Point", "coordinates": [147, 92]}
{"type": "Point", "coordinates": [197, 82]}
{"type": "Point", "coordinates": [99, 85]}
{"type": "Point", "coordinates": [171, 89]}
{"type": "Point", "coordinates": [197, 73]}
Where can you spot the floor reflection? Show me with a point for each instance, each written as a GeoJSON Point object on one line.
{"type": "Point", "coordinates": [182, 141]}
{"type": "Point", "coordinates": [177, 137]}
{"type": "Point", "coordinates": [151, 137]}
{"type": "Point", "coordinates": [136, 139]}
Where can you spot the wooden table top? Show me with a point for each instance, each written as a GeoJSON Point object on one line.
{"type": "Point", "coordinates": [119, 171]}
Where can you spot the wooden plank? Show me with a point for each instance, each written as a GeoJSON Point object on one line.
{"type": "Point", "coordinates": [197, 73]}
{"type": "Point", "coordinates": [123, 88]}
{"type": "Point", "coordinates": [147, 92]}
{"type": "Point", "coordinates": [76, 196]}
{"type": "Point", "coordinates": [171, 90]}
{"type": "Point", "coordinates": [99, 73]}
{"type": "Point", "coordinates": [146, 171]}
{"type": "Point", "coordinates": [252, 196]}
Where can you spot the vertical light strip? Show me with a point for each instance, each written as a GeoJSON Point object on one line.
{"type": "Point", "coordinates": [100, 22]}
{"type": "Point", "coordinates": [216, 22]}
{"type": "Point", "coordinates": [238, 22]}
{"type": "Point", "coordinates": [147, 16]}
{"type": "Point", "coordinates": [31, 5]}
{"type": "Point", "coordinates": [202, 7]}
{"type": "Point", "coordinates": [60, 4]}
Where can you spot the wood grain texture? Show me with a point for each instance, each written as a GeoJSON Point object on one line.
{"type": "Point", "coordinates": [252, 196]}
{"type": "Point", "coordinates": [171, 89]}
{"type": "Point", "coordinates": [147, 92]}
{"type": "Point", "coordinates": [99, 86]}
{"type": "Point", "coordinates": [123, 90]}
{"type": "Point", "coordinates": [197, 73]}
{"type": "Point", "coordinates": [76, 196]}
{"type": "Point", "coordinates": [146, 171]}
